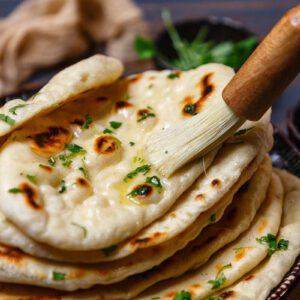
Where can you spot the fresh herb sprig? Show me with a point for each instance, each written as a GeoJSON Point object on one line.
{"type": "Point", "coordinates": [200, 51]}
{"type": "Point", "coordinates": [220, 277]}
{"type": "Point", "coordinates": [273, 245]}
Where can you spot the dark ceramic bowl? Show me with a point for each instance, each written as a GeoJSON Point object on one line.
{"type": "Point", "coordinates": [219, 30]}
{"type": "Point", "coordinates": [293, 124]}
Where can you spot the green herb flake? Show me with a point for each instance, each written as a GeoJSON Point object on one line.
{"type": "Point", "coordinates": [81, 227]}
{"type": "Point", "coordinates": [115, 125]}
{"type": "Point", "coordinates": [154, 180]}
{"type": "Point", "coordinates": [126, 97]}
{"type": "Point", "coordinates": [212, 219]}
{"type": "Point", "coordinates": [15, 191]}
{"type": "Point", "coordinates": [55, 105]}
{"type": "Point", "coordinates": [155, 298]}
{"type": "Point", "coordinates": [220, 277]}
{"type": "Point", "coordinates": [106, 130]}
{"type": "Point", "coordinates": [137, 159]}
{"type": "Point", "coordinates": [273, 245]}
{"type": "Point", "coordinates": [109, 250]}
{"type": "Point", "coordinates": [75, 150]}
{"type": "Point", "coordinates": [214, 298]}
{"type": "Point", "coordinates": [52, 161]}
{"type": "Point", "coordinates": [190, 109]}
{"type": "Point", "coordinates": [243, 131]}
{"type": "Point", "coordinates": [7, 119]}
{"type": "Point", "coordinates": [67, 163]}
{"type": "Point", "coordinates": [83, 169]}
{"type": "Point", "coordinates": [173, 75]}
{"type": "Point", "coordinates": [238, 250]}
{"type": "Point", "coordinates": [140, 191]}
{"type": "Point", "coordinates": [145, 115]}
{"type": "Point", "coordinates": [35, 95]}
{"type": "Point", "coordinates": [150, 86]}
{"type": "Point", "coordinates": [142, 169]}
{"type": "Point", "coordinates": [87, 122]}
{"type": "Point", "coordinates": [283, 244]}
{"type": "Point", "coordinates": [63, 187]}
{"type": "Point", "coordinates": [58, 276]}
{"type": "Point", "coordinates": [144, 47]}
{"type": "Point", "coordinates": [14, 108]}
{"type": "Point", "coordinates": [31, 178]}
{"type": "Point", "coordinates": [131, 144]}
{"type": "Point", "coordinates": [218, 282]}
{"type": "Point", "coordinates": [183, 295]}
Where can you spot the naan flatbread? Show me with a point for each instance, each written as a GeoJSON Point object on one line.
{"type": "Point", "coordinates": [90, 73]}
{"type": "Point", "coordinates": [84, 204]}
{"type": "Point", "coordinates": [186, 210]}
{"type": "Point", "coordinates": [30, 269]}
{"type": "Point", "coordinates": [258, 283]}
{"type": "Point", "coordinates": [239, 256]}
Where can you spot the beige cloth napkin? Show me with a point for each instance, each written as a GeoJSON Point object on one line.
{"type": "Point", "coordinates": [43, 33]}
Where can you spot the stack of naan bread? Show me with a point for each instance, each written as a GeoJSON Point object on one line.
{"type": "Point", "coordinates": [85, 216]}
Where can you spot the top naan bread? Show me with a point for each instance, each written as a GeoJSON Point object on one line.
{"type": "Point", "coordinates": [85, 75]}
{"type": "Point", "coordinates": [84, 204]}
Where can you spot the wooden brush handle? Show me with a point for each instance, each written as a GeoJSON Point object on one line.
{"type": "Point", "coordinates": [268, 71]}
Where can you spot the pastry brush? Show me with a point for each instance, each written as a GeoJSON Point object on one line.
{"type": "Point", "coordinates": [254, 88]}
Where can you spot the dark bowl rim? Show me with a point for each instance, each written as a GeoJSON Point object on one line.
{"type": "Point", "coordinates": [227, 21]}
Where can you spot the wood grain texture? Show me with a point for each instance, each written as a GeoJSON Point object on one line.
{"type": "Point", "coordinates": [268, 71]}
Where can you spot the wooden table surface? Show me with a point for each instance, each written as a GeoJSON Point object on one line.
{"type": "Point", "coordinates": [257, 15]}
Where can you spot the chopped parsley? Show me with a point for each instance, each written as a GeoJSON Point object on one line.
{"type": "Point", "coordinates": [52, 161]}
{"type": "Point", "coordinates": [214, 298]}
{"type": "Point", "coordinates": [126, 97]}
{"type": "Point", "coordinates": [183, 295]}
{"type": "Point", "coordinates": [109, 250]}
{"type": "Point", "coordinates": [273, 245]}
{"type": "Point", "coordinates": [190, 109]}
{"type": "Point", "coordinates": [150, 86]}
{"type": "Point", "coordinates": [220, 277]}
{"type": "Point", "coordinates": [283, 244]}
{"type": "Point", "coordinates": [131, 144]}
{"type": "Point", "coordinates": [7, 119]}
{"type": "Point", "coordinates": [243, 131]}
{"type": "Point", "coordinates": [142, 169]}
{"type": "Point", "coordinates": [31, 178]}
{"type": "Point", "coordinates": [36, 94]}
{"type": "Point", "coordinates": [58, 276]}
{"type": "Point", "coordinates": [154, 180]}
{"type": "Point", "coordinates": [217, 282]}
{"type": "Point", "coordinates": [80, 226]}
{"type": "Point", "coordinates": [75, 150]}
{"type": "Point", "coordinates": [138, 159]}
{"type": "Point", "coordinates": [145, 115]}
{"type": "Point", "coordinates": [87, 122]}
{"type": "Point", "coordinates": [84, 169]}
{"type": "Point", "coordinates": [173, 76]}
{"type": "Point", "coordinates": [155, 298]}
{"type": "Point", "coordinates": [15, 190]}
{"type": "Point", "coordinates": [238, 250]}
{"type": "Point", "coordinates": [140, 191]}
{"type": "Point", "coordinates": [67, 163]}
{"type": "Point", "coordinates": [63, 187]}
{"type": "Point", "coordinates": [212, 219]}
{"type": "Point", "coordinates": [106, 130]}
{"type": "Point", "coordinates": [115, 125]}
{"type": "Point", "coordinates": [55, 105]}
{"type": "Point", "coordinates": [14, 108]}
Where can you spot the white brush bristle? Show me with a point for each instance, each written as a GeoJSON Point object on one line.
{"type": "Point", "coordinates": [170, 149]}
